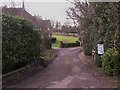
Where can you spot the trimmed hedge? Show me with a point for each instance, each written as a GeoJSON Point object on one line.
{"type": "Point", "coordinates": [64, 45]}
{"type": "Point", "coordinates": [111, 62]}
{"type": "Point", "coordinates": [20, 43]}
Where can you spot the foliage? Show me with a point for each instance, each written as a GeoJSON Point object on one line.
{"type": "Point", "coordinates": [64, 45]}
{"type": "Point", "coordinates": [111, 62]}
{"type": "Point", "coordinates": [81, 12]}
{"type": "Point", "coordinates": [105, 22]}
{"type": "Point", "coordinates": [98, 21]}
{"type": "Point", "coordinates": [20, 43]}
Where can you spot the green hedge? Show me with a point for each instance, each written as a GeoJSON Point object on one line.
{"type": "Point", "coordinates": [111, 62]}
{"type": "Point", "coordinates": [20, 43]}
{"type": "Point", "coordinates": [65, 45]}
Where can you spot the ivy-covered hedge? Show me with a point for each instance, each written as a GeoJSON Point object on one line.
{"type": "Point", "coordinates": [111, 62]}
{"type": "Point", "coordinates": [20, 43]}
{"type": "Point", "coordinates": [98, 22]}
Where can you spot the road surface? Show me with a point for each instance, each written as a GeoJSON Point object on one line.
{"type": "Point", "coordinates": [67, 71]}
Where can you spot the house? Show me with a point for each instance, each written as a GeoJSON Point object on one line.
{"type": "Point", "coordinates": [46, 28]}
{"type": "Point", "coordinates": [45, 25]}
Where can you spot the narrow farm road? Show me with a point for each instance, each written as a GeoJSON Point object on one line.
{"type": "Point", "coordinates": [67, 71]}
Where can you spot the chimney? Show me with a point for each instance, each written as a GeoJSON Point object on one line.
{"type": "Point", "coordinates": [23, 6]}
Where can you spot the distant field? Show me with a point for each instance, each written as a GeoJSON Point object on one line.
{"type": "Point", "coordinates": [66, 39]}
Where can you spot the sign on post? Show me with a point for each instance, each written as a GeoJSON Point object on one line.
{"type": "Point", "coordinates": [100, 48]}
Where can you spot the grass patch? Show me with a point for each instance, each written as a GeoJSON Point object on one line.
{"type": "Point", "coordinates": [48, 55]}
{"type": "Point", "coordinates": [65, 39]}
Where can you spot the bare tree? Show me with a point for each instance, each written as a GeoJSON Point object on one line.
{"type": "Point", "coordinates": [81, 16]}
{"type": "Point", "coordinates": [13, 4]}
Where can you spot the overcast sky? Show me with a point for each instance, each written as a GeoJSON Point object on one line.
{"type": "Point", "coordinates": [54, 9]}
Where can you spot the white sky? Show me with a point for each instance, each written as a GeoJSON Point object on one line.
{"type": "Point", "coordinates": [54, 9]}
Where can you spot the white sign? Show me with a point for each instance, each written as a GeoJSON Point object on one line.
{"type": "Point", "coordinates": [100, 48]}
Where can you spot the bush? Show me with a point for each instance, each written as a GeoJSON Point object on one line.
{"type": "Point", "coordinates": [20, 43]}
{"type": "Point", "coordinates": [64, 45]}
{"type": "Point", "coordinates": [111, 62]}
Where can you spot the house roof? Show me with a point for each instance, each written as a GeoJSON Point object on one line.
{"type": "Point", "coordinates": [23, 13]}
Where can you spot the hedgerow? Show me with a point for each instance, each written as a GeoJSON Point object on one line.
{"type": "Point", "coordinates": [20, 43]}
{"type": "Point", "coordinates": [98, 22]}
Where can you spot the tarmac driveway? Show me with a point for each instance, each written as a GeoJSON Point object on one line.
{"type": "Point", "coordinates": [67, 71]}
